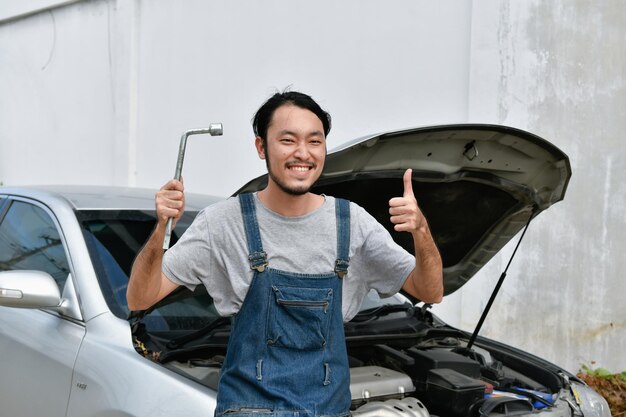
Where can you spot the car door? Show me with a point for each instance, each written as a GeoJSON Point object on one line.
{"type": "Point", "coordinates": [38, 347]}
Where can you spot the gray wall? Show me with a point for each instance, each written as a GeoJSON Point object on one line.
{"type": "Point", "coordinates": [99, 92]}
{"type": "Point", "coordinates": [558, 69]}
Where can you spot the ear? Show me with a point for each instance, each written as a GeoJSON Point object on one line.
{"type": "Point", "coordinates": [258, 143]}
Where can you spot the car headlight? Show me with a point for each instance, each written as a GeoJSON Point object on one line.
{"type": "Point", "coordinates": [591, 403]}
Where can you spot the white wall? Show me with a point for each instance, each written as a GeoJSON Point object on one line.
{"type": "Point", "coordinates": [122, 80]}
{"type": "Point", "coordinates": [57, 119]}
{"type": "Point", "coordinates": [558, 70]}
{"type": "Point", "coordinates": [99, 92]}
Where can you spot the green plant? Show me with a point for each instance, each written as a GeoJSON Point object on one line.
{"type": "Point", "coordinates": [600, 372]}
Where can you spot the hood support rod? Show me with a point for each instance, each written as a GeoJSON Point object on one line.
{"type": "Point", "coordinates": [497, 288]}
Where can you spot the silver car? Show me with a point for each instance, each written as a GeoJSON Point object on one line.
{"type": "Point", "coordinates": [70, 347]}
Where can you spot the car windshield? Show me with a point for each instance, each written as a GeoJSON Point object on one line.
{"type": "Point", "coordinates": [114, 237]}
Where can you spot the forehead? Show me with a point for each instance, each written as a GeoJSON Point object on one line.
{"type": "Point", "coordinates": [290, 117]}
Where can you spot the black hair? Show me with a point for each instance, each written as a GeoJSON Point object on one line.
{"type": "Point", "coordinates": [263, 116]}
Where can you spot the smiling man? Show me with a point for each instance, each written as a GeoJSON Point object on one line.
{"type": "Point", "coordinates": [290, 267]}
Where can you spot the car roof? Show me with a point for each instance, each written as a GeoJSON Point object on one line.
{"type": "Point", "coordinates": [89, 197]}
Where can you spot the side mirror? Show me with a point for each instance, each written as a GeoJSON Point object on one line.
{"type": "Point", "coordinates": [28, 289]}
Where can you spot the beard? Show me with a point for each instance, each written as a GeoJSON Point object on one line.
{"type": "Point", "coordinates": [288, 189]}
{"type": "Point", "coordinates": [297, 190]}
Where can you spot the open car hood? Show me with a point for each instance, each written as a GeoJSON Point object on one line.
{"type": "Point", "coordinates": [478, 185]}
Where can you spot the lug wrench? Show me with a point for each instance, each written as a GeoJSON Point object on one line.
{"type": "Point", "coordinates": [214, 129]}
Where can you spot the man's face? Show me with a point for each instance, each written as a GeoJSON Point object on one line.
{"type": "Point", "coordinates": [295, 150]}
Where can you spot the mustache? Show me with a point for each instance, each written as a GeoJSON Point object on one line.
{"type": "Point", "coordinates": [302, 163]}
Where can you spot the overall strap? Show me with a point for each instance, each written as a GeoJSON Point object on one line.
{"type": "Point", "coordinates": [342, 211]}
{"type": "Point", "coordinates": [257, 257]}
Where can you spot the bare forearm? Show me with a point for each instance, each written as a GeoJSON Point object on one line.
{"type": "Point", "coordinates": [426, 280]}
{"type": "Point", "coordinates": [147, 284]}
{"type": "Point", "coordinates": [144, 285]}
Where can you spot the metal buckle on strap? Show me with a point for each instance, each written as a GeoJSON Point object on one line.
{"type": "Point", "coordinates": [341, 267]}
{"type": "Point", "coordinates": [258, 261]}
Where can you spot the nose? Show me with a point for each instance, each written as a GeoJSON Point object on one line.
{"type": "Point", "coordinates": [302, 151]}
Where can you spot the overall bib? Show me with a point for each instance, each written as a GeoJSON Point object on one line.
{"type": "Point", "coordinates": [287, 354]}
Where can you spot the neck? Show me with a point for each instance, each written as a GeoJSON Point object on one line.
{"type": "Point", "coordinates": [289, 205]}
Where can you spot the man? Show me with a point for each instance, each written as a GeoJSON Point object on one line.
{"type": "Point", "coordinates": [290, 266]}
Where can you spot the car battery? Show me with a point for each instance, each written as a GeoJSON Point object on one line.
{"type": "Point", "coordinates": [451, 392]}
{"type": "Point", "coordinates": [369, 382]}
{"type": "Point", "coordinates": [425, 360]}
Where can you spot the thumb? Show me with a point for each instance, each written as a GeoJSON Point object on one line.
{"type": "Point", "coordinates": [408, 184]}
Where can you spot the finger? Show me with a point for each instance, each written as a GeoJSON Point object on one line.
{"type": "Point", "coordinates": [401, 222]}
{"type": "Point", "coordinates": [175, 201]}
{"type": "Point", "coordinates": [173, 185]}
{"type": "Point", "coordinates": [398, 210]}
{"type": "Point", "coordinates": [398, 219]}
{"type": "Point", "coordinates": [171, 194]}
{"type": "Point", "coordinates": [408, 184]}
{"type": "Point", "coordinates": [167, 212]}
{"type": "Point", "coordinates": [402, 227]}
{"type": "Point", "coordinates": [397, 202]}
{"type": "Point", "coordinates": [172, 191]}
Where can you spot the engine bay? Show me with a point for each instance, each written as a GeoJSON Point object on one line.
{"type": "Point", "coordinates": [436, 377]}
{"type": "Point", "coordinates": [453, 381]}
{"type": "Point", "coordinates": [403, 361]}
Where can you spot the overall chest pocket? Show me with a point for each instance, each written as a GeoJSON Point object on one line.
{"type": "Point", "coordinates": [299, 318]}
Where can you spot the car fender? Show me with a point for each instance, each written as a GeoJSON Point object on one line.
{"type": "Point", "coordinates": [110, 376]}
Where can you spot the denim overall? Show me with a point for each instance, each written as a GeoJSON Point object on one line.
{"type": "Point", "coordinates": [287, 354]}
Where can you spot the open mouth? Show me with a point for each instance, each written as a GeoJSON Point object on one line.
{"type": "Point", "coordinates": [300, 167]}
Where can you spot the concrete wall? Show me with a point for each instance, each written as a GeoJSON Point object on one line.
{"type": "Point", "coordinates": [558, 69]}
{"type": "Point", "coordinates": [99, 92]}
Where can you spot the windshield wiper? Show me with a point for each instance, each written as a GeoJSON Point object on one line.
{"type": "Point", "coordinates": [376, 312]}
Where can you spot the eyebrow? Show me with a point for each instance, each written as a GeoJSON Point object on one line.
{"type": "Point", "coordinates": [313, 133]}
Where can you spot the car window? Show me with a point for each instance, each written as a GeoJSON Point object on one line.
{"type": "Point", "coordinates": [29, 240]}
{"type": "Point", "coordinates": [113, 238]}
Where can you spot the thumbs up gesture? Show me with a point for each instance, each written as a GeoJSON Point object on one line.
{"type": "Point", "coordinates": [405, 214]}
{"type": "Point", "coordinates": [425, 281]}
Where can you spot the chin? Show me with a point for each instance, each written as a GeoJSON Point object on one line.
{"type": "Point", "coordinates": [295, 190]}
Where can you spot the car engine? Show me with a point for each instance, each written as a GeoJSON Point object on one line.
{"type": "Point", "coordinates": [433, 380]}
{"type": "Point", "coordinates": [378, 391]}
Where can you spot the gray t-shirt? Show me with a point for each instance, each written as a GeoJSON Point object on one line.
{"type": "Point", "coordinates": [213, 252]}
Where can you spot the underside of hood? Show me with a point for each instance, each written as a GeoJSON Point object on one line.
{"type": "Point", "coordinates": [478, 185]}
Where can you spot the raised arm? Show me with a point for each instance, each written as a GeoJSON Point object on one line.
{"type": "Point", "coordinates": [425, 281]}
{"type": "Point", "coordinates": [148, 284]}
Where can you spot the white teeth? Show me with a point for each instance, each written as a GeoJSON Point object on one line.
{"type": "Point", "coordinates": [301, 169]}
